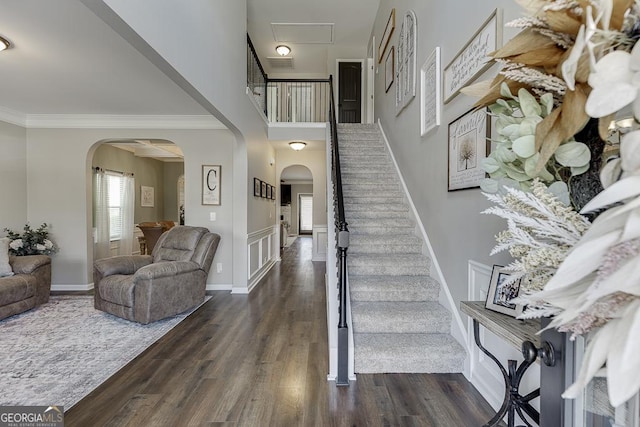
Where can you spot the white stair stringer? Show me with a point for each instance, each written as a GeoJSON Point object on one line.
{"type": "Point", "coordinates": [398, 324]}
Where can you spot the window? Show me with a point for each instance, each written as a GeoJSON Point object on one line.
{"type": "Point", "coordinates": [406, 62]}
{"type": "Point", "coordinates": [306, 213]}
{"type": "Point", "coordinates": [115, 193]}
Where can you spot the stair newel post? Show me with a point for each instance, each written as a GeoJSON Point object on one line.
{"type": "Point", "coordinates": [343, 329]}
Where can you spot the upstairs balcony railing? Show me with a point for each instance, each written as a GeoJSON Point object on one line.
{"type": "Point", "coordinates": [287, 100]}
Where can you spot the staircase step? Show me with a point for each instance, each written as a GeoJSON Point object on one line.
{"type": "Point", "coordinates": [388, 264]}
{"type": "Point", "coordinates": [407, 353]}
{"type": "Point", "coordinates": [382, 222]}
{"type": "Point", "coordinates": [384, 247]}
{"type": "Point", "coordinates": [353, 193]}
{"type": "Point", "coordinates": [358, 207]}
{"type": "Point", "coordinates": [370, 200]}
{"type": "Point", "coordinates": [381, 230]}
{"type": "Point", "coordinates": [353, 158]}
{"type": "Point", "coordinates": [391, 239]}
{"type": "Point", "coordinates": [370, 186]}
{"type": "Point", "coordinates": [369, 214]}
{"type": "Point", "coordinates": [396, 288]}
{"type": "Point", "coordinates": [399, 317]}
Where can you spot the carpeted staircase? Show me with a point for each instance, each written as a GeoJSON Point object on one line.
{"type": "Point", "coordinates": [398, 324]}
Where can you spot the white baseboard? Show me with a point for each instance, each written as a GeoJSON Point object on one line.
{"type": "Point", "coordinates": [255, 279]}
{"type": "Point", "coordinates": [218, 287]}
{"type": "Point", "coordinates": [71, 288]}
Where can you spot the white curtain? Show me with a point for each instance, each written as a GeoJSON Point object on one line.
{"type": "Point", "coordinates": [101, 215]}
{"type": "Point", "coordinates": [127, 204]}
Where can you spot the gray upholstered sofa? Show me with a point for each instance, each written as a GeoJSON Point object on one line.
{"type": "Point", "coordinates": [146, 288]}
{"type": "Point", "coordinates": [28, 287]}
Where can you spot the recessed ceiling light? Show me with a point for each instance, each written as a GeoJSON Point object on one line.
{"type": "Point", "coordinates": [4, 43]}
{"type": "Point", "coordinates": [283, 50]}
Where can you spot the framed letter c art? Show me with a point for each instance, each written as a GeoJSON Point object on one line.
{"type": "Point", "coordinates": [211, 184]}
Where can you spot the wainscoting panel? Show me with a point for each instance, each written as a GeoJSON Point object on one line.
{"type": "Point", "coordinates": [484, 374]}
{"type": "Point", "coordinates": [320, 242]}
{"type": "Point", "coordinates": [262, 254]}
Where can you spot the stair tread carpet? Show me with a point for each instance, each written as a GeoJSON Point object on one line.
{"type": "Point", "coordinates": [407, 353]}
{"type": "Point", "coordinates": [397, 288]}
{"type": "Point", "coordinates": [399, 317]}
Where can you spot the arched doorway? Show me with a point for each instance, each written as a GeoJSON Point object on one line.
{"type": "Point", "coordinates": [296, 202]}
{"type": "Point", "coordinates": [135, 181]}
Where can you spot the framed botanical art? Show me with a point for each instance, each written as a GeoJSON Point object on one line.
{"type": "Point", "coordinates": [257, 187]}
{"type": "Point", "coordinates": [263, 189]}
{"type": "Point", "coordinates": [502, 289]}
{"type": "Point", "coordinates": [211, 175]}
{"type": "Point", "coordinates": [469, 143]}
{"type": "Point", "coordinates": [473, 58]}
{"type": "Point", "coordinates": [386, 35]}
{"type": "Point", "coordinates": [430, 93]}
{"type": "Point", "coordinates": [269, 190]}
{"type": "Point", "coordinates": [389, 69]}
{"type": "Point", "coordinates": [147, 196]}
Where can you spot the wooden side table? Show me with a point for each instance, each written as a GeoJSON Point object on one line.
{"type": "Point", "coordinates": [520, 334]}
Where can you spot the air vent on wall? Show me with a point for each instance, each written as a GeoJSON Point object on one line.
{"type": "Point", "coordinates": [280, 61]}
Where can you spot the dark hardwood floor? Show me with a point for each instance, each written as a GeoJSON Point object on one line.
{"type": "Point", "coordinates": [261, 360]}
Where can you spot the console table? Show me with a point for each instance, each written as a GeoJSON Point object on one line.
{"type": "Point", "coordinates": [522, 335]}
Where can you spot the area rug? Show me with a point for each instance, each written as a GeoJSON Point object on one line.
{"type": "Point", "coordinates": [59, 352]}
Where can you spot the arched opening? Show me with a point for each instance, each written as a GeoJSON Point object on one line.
{"type": "Point", "coordinates": [296, 203]}
{"type": "Point", "coordinates": [136, 194]}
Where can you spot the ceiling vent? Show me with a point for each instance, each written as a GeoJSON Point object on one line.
{"type": "Point", "coordinates": [303, 33]}
{"type": "Point", "coordinates": [280, 62]}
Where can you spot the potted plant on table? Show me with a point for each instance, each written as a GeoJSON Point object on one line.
{"type": "Point", "coordinates": [31, 242]}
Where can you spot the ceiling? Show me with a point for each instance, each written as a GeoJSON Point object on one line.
{"type": "Point", "coordinates": [65, 60]}
{"type": "Point", "coordinates": [309, 38]}
{"type": "Point", "coordinates": [158, 149]}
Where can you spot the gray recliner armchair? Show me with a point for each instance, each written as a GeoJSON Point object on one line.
{"type": "Point", "coordinates": [146, 288]}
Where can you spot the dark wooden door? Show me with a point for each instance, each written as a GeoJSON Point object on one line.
{"type": "Point", "coordinates": [350, 92]}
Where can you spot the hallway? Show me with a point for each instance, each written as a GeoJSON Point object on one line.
{"type": "Point", "coordinates": [261, 360]}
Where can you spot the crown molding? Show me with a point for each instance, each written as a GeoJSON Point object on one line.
{"type": "Point", "coordinates": [14, 117]}
{"type": "Point", "coordinates": [95, 121]}
{"type": "Point", "coordinates": [107, 121]}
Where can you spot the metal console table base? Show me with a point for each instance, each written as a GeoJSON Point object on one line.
{"type": "Point", "coordinates": [513, 400]}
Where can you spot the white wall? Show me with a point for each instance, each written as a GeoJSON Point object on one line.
{"type": "Point", "coordinates": [448, 217]}
{"type": "Point", "coordinates": [13, 178]}
{"type": "Point", "coordinates": [59, 191]}
{"type": "Point", "coordinates": [206, 58]}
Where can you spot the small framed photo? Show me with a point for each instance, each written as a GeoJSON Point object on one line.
{"type": "Point", "coordinates": [263, 190]}
{"type": "Point", "coordinates": [257, 187]}
{"type": "Point", "coordinates": [211, 175]}
{"type": "Point", "coordinates": [502, 289]}
{"type": "Point", "coordinates": [273, 193]}
{"type": "Point", "coordinates": [147, 197]}
{"type": "Point", "coordinates": [269, 191]}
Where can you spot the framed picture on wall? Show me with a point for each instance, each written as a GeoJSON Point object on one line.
{"type": "Point", "coordinates": [257, 187]}
{"type": "Point", "coordinates": [147, 196]}
{"type": "Point", "coordinates": [273, 193]}
{"type": "Point", "coordinates": [389, 69]}
{"type": "Point", "coordinates": [469, 143]}
{"type": "Point", "coordinates": [430, 94]}
{"type": "Point", "coordinates": [263, 190]}
{"type": "Point", "coordinates": [211, 175]}
{"type": "Point", "coordinates": [502, 289]}
{"type": "Point", "coordinates": [386, 35]}
{"type": "Point", "coordinates": [269, 190]}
